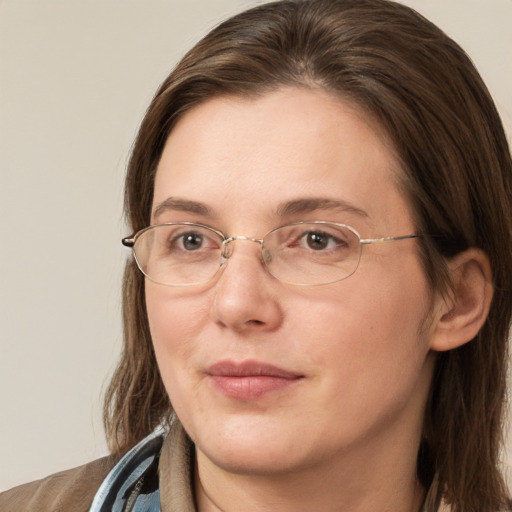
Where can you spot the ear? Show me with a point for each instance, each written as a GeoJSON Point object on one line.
{"type": "Point", "coordinates": [461, 312]}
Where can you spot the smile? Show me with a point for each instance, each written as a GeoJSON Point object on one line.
{"type": "Point", "coordinates": [249, 380]}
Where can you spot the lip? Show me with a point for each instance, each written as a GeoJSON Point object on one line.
{"type": "Point", "coordinates": [249, 380]}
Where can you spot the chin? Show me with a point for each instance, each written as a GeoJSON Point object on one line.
{"type": "Point", "coordinates": [251, 448]}
{"type": "Point", "coordinates": [260, 460]}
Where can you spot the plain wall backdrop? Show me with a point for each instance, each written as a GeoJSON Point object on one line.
{"type": "Point", "coordinates": [75, 79]}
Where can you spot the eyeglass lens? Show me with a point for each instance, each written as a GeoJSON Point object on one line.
{"type": "Point", "coordinates": [299, 253]}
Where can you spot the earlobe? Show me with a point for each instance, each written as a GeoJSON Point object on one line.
{"type": "Point", "coordinates": [462, 311]}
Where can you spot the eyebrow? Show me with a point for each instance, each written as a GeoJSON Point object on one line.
{"type": "Point", "coordinates": [311, 204]}
{"type": "Point", "coordinates": [293, 207]}
{"type": "Point", "coordinates": [181, 205]}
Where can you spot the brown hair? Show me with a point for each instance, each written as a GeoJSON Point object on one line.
{"type": "Point", "coordinates": [429, 98]}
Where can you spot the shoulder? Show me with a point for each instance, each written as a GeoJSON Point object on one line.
{"type": "Point", "coordinates": [68, 491]}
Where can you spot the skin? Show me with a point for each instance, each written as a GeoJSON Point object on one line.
{"type": "Point", "coordinates": [343, 436]}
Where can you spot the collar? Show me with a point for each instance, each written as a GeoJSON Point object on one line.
{"type": "Point", "coordinates": [159, 469]}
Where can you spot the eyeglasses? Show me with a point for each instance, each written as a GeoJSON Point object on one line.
{"type": "Point", "coordinates": [301, 253]}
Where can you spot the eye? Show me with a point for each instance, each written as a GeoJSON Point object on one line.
{"type": "Point", "coordinates": [190, 241]}
{"type": "Point", "coordinates": [320, 241]}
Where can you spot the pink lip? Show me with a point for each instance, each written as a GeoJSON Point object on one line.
{"type": "Point", "coordinates": [249, 379]}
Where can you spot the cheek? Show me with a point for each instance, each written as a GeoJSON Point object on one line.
{"type": "Point", "coordinates": [176, 321]}
{"type": "Point", "coordinates": [369, 331]}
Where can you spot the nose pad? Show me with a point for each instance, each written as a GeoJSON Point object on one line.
{"type": "Point", "coordinates": [227, 250]}
{"type": "Point", "coordinates": [266, 256]}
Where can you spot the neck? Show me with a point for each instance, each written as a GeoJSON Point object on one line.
{"type": "Point", "coordinates": [346, 484]}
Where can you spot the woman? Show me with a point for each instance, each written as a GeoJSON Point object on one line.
{"type": "Point", "coordinates": [320, 199]}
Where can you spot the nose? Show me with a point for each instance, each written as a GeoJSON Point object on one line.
{"type": "Point", "coordinates": [245, 294]}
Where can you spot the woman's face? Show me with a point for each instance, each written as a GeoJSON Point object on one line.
{"type": "Point", "coordinates": [269, 377]}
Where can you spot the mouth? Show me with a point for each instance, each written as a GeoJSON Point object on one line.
{"type": "Point", "coordinates": [250, 380]}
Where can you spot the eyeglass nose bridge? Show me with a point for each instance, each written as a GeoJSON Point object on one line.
{"type": "Point", "coordinates": [227, 248]}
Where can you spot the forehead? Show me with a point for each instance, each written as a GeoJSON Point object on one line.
{"type": "Point", "coordinates": [242, 156]}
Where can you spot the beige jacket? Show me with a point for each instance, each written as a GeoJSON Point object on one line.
{"type": "Point", "coordinates": [74, 490]}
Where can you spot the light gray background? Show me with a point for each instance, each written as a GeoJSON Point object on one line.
{"type": "Point", "coordinates": [75, 79]}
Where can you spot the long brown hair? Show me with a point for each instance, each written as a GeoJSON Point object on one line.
{"type": "Point", "coordinates": [429, 98]}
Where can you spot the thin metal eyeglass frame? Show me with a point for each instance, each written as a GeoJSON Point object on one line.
{"type": "Point", "coordinates": [225, 255]}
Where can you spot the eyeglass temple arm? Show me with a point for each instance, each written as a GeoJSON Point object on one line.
{"type": "Point", "coordinates": [388, 238]}
{"type": "Point", "coordinates": [128, 241]}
